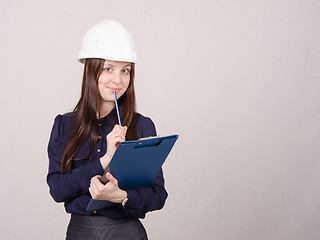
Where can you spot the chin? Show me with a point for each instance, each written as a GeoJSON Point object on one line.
{"type": "Point", "coordinates": [107, 98]}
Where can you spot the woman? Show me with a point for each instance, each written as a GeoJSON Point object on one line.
{"type": "Point", "coordinates": [83, 142]}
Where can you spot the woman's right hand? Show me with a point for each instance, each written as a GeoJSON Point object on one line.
{"type": "Point", "coordinates": [114, 138]}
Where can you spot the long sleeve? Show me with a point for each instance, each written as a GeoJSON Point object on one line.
{"type": "Point", "coordinates": [64, 187]}
{"type": "Point", "coordinates": [73, 188]}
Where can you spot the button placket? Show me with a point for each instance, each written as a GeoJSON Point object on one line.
{"type": "Point", "coordinates": [99, 137]}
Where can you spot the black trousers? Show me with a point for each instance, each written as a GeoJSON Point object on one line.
{"type": "Point", "coordinates": [100, 227]}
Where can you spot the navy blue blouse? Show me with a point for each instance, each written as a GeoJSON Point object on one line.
{"type": "Point", "coordinates": [72, 188]}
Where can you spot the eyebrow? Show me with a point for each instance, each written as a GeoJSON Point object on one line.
{"type": "Point", "coordinates": [111, 65]}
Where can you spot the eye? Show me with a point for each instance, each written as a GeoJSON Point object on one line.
{"type": "Point", "coordinates": [107, 69]}
{"type": "Point", "coordinates": [126, 71]}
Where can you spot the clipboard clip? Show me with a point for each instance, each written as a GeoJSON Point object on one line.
{"type": "Point", "coordinates": [146, 138]}
{"type": "Point", "coordinates": [143, 144]}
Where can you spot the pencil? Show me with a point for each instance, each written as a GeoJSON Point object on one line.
{"type": "Point", "coordinates": [118, 113]}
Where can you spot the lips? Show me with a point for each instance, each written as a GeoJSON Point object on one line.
{"type": "Point", "coordinates": [114, 89]}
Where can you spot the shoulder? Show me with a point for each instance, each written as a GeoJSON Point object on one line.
{"type": "Point", "coordinates": [67, 117]}
{"type": "Point", "coordinates": [146, 126]}
{"type": "Point", "coordinates": [63, 124]}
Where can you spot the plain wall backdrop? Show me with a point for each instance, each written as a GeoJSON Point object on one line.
{"type": "Point", "coordinates": [238, 80]}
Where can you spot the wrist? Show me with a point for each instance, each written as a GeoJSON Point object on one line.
{"type": "Point", "coordinates": [105, 160]}
{"type": "Point", "coordinates": [124, 199]}
{"type": "Point", "coordinates": [124, 196]}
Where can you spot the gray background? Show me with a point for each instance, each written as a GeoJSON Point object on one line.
{"type": "Point", "coordinates": [238, 80]}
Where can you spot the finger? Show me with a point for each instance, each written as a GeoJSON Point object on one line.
{"type": "Point", "coordinates": [114, 130]}
{"type": "Point", "coordinates": [123, 129]}
{"type": "Point", "coordinates": [117, 134]}
{"type": "Point", "coordinates": [118, 139]}
{"type": "Point", "coordinates": [117, 128]}
{"type": "Point", "coordinates": [97, 188]}
{"type": "Point", "coordinates": [96, 178]}
{"type": "Point", "coordinates": [111, 178]}
{"type": "Point", "coordinates": [92, 193]}
{"type": "Point", "coordinates": [95, 181]}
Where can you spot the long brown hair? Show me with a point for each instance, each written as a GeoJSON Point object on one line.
{"type": "Point", "coordinates": [89, 105]}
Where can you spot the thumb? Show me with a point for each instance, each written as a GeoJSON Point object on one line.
{"type": "Point", "coordinates": [125, 128]}
{"type": "Point", "coordinates": [111, 178]}
{"type": "Point", "coordinates": [97, 177]}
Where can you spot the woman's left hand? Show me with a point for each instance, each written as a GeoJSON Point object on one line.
{"type": "Point", "coordinates": [110, 191]}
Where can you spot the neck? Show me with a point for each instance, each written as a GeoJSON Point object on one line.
{"type": "Point", "coordinates": [106, 108]}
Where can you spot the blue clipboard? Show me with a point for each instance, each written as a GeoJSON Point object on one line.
{"type": "Point", "coordinates": [135, 164]}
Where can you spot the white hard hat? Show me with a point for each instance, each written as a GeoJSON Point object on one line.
{"type": "Point", "coordinates": [109, 40]}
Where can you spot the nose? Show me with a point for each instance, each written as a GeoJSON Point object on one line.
{"type": "Point", "coordinates": [117, 77]}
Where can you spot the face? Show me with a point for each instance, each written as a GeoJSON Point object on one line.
{"type": "Point", "coordinates": [114, 77]}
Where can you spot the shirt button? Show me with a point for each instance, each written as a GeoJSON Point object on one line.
{"type": "Point", "coordinates": [99, 124]}
{"type": "Point", "coordinates": [99, 137]}
{"type": "Point", "coordinates": [99, 150]}
{"type": "Point", "coordinates": [94, 212]}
